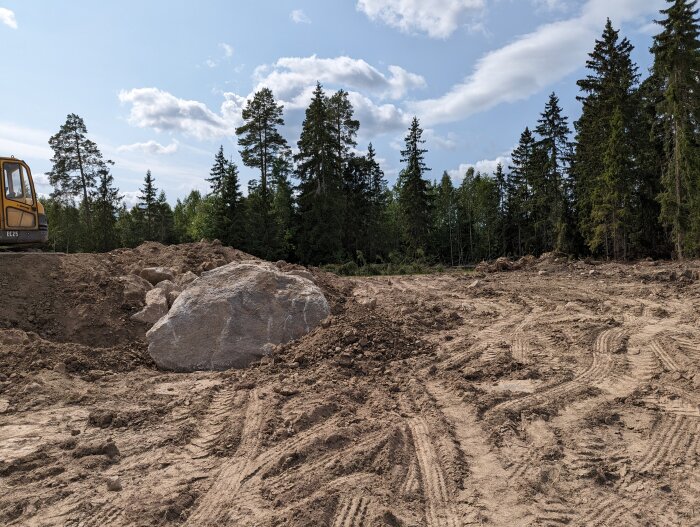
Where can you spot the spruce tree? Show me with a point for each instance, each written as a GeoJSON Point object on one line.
{"type": "Point", "coordinates": [677, 66]}
{"type": "Point", "coordinates": [554, 145]}
{"type": "Point", "coordinates": [148, 203]}
{"type": "Point", "coordinates": [414, 192]}
{"type": "Point", "coordinates": [604, 172]}
{"type": "Point", "coordinates": [283, 208]}
{"type": "Point", "coordinates": [76, 164]}
{"type": "Point", "coordinates": [320, 201]}
{"type": "Point", "coordinates": [519, 181]}
{"type": "Point", "coordinates": [217, 174]}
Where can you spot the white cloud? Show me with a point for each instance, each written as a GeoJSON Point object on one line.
{"type": "Point", "coordinates": [289, 75]}
{"type": "Point", "coordinates": [485, 166]}
{"type": "Point", "coordinates": [160, 110]}
{"type": "Point", "coordinates": [299, 17]}
{"type": "Point", "coordinates": [530, 63]}
{"type": "Point", "coordinates": [150, 147]}
{"type": "Point", "coordinates": [551, 5]}
{"type": "Point", "coordinates": [227, 48]}
{"type": "Point", "coordinates": [7, 17]}
{"type": "Point", "coordinates": [436, 18]}
{"type": "Point", "coordinates": [131, 198]}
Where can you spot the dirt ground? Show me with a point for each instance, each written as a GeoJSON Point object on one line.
{"type": "Point", "coordinates": [562, 393]}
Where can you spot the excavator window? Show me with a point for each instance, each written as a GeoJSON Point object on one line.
{"type": "Point", "coordinates": [17, 186]}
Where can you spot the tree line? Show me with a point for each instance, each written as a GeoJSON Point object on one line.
{"type": "Point", "coordinates": [621, 182]}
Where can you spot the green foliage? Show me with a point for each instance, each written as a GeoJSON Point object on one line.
{"type": "Point", "coordinates": [677, 67]}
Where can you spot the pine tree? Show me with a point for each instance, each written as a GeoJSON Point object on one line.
{"type": "Point", "coordinates": [554, 145]}
{"type": "Point", "coordinates": [677, 65]}
{"type": "Point", "coordinates": [261, 145]}
{"type": "Point", "coordinates": [77, 162]}
{"type": "Point", "coordinates": [414, 192]}
{"type": "Point", "coordinates": [148, 203]}
{"type": "Point", "coordinates": [320, 200]}
{"type": "Point", "coordinates": [106, 201]}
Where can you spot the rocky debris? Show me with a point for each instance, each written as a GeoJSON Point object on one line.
{"type": "Point", "coordinates": [232, 316]}
{"type": "Point", "coordinates": [156, 307]}
{"type": "Point", "coordinates": [171, 290]}
{"type": "Point", "coordinates": [156, 275]}
{"type": "Point", "coordinates": [135, 289]}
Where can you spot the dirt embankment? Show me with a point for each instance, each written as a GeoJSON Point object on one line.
{"type": "Point", "coordinates": [559, 393]}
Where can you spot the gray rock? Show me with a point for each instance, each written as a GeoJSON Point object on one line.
{"type": "Point", "coordinates": [135, 289]}
{"type": "Point", "coordinates": [185, 279]}
{"type": "Point", "coordinates": [156, 307]}
{"type": "Point", "coordinates": [157, 274]}
{"type": "Point", "coordinates": [233, 315]}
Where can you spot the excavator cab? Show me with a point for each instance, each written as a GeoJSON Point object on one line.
{"type": "Point", "coordinates": [23, 220]}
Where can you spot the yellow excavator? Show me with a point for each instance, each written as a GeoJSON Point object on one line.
{"type": "Point", "coordinates": [23, 220]}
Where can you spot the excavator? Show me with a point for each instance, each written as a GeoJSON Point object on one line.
{"type": "Point", "coordinates": [23, 220]}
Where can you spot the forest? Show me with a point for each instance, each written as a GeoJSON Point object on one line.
{"type": "Point", "coordinates": [621, 182]}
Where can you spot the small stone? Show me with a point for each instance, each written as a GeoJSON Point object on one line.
{"type": "Point", "coordinates": [114, 484]}
{"type": "Point", "coordinates": [542, 272]}
{"type": "Point", "coordinates": [60, 367]}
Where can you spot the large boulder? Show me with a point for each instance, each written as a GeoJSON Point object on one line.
{"type": "Point", "coordinates": [233, 316]}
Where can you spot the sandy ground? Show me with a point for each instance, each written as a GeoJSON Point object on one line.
{"type": "Point", "coordinates": [562, 394]}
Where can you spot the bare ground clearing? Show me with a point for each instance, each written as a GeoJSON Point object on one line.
{"type": "Point", "coordinates": [561, 394]}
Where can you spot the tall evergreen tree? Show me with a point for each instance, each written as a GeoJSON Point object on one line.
{"type": "Point", "coordinates": [76, 163]}
{"type": "Point", "coordinates": [519, 180]}
{"type": "Point", "coordinates": [320, 200]}
{"type": "Point", "coordinates": [677, 66]}
{"type": "Point", "coordinates": [148, 203]}
{"type": "Point", "coordinates": [554, 144]}
{"type": "Point", "coordinates": [604, 170]}
{"type": "Point", "coordinates": [414, 196]}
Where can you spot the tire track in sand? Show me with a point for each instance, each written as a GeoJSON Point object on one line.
{"type": "Point", "coordinates": [599, 369]}
{"type": "Point", "coordinates": [439, 510]}
{"type": "Point", "coordinates": [353, 512]}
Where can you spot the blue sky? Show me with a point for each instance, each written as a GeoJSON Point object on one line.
{"type": "Point", "coordinates": [160, 84]}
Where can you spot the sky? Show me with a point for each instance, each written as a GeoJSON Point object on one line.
{"type": "Point", "coordinates": [161, 84]}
